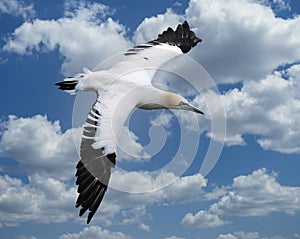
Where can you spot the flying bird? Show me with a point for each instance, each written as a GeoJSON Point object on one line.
{"type": "Point", "coordinates": [120, 89]}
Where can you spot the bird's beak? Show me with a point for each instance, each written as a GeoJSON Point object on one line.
{"type": "Point", "coordinates": [187, 106]}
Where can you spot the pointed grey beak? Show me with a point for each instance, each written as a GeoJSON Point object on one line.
{"type": "Point", "coordinates": [187, 106]}
{"type": "Point", "coordinates": [196, 110]}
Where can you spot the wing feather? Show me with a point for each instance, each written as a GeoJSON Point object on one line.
{"type": "Point", "coordinates": [155, 53]}
{"type": "Point", "coordinates": [93, 170]}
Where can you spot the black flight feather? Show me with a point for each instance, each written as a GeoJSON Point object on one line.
{"type": "Point", "coordinates": [183, 37]}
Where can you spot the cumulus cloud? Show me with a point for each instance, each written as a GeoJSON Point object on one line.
{"type": "Point", "coordinates": [257, 194]}
{"type": "Point", "coordinates": [277, 5]}
{"type": "Point", "coordinates": [162, 119]}
{"type": "Point", "coordinates": [239, 235]}
{"type": "Point", "coordinates": [163, 187]}
{"type": "Point", "coordinates": [245, 235]}
{"type": "Point", "coordinates": [48, 157]}
{"type": "Point", "coordinates": [82, 37]}
{"type": "Point", "coordinates": [268, 108]}
{"type": "Point", "coordinates": [247, 40]}
{"type": "Point", "coordinates": [152, 26]}
{"type": "Point", "coordinates": [144, 227]}
{"type": "Point", "coordinates": [95, 232]}
{"type": "Point", "coordinates": [138, 190]}
{"type": "Point", "coordinates": [129, 147]}
{"type": "Point", "coordinates": [174, 237]}
{"type": "Point", "coordinates": [203, 219]}
{"type": "Point", "coordinates": [296, 235]}
{"type": "Point", "coordinates": [261, 42]}
{"type": "Point", "coordinates": [40, 146]}
{"type": "Point", "coordinates": [238, 48]}
{"type": "Point", "coordinates": [17, 8]}
{"type": "Point", "coordinates": [42, 199]}
{"type": "Point", "coordinates": [28, 237]}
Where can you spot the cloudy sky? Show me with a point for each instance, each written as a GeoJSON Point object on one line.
{"type": "Point", "coordinates": [178, 175]}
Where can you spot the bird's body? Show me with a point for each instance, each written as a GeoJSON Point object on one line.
{"type": "Point", "coordinates": [120, 89]}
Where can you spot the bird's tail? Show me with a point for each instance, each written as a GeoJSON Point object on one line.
{"type": "Point", "coordinates": [67, 85]}
{"type": "Point", "coordinates": [70, 84]}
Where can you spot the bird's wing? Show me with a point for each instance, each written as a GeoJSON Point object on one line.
{"type": "Point", "coordinates": [106, 119]}
{"type": "Point", "coordinates": [155, 53]}
{"type": "Point", "coordinates": [98, 146]}
{"type": "Point", "coordinates": [94, 168]}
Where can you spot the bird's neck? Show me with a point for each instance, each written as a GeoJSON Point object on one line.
{"type": "Point", "coordinates": [154, 99]}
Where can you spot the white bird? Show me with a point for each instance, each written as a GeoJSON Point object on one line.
{"type": "Point", "coordinates": [120, 89]}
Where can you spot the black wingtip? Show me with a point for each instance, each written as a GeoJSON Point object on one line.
{"type": "Point", "coordinates": [67, 85]}
{"type": "Point", "coordinates": [182, 37]}
{"type": "Point", "coordinates": [89, 218]}
{"type": "Point", "coordinates": [91, 189]}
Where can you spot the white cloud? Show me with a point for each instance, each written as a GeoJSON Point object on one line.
{"type": "Point", "coordinates": [216, 193]}
{"type": "Point", "coordinates": [174, 237]}
{"type": "Point", "coordinates": [144, 227]}
{"type": "Point", "coordinates": [135, 215]}
{"type": "Point", "coordinates": [156, 187]}
{"type": "Point", "coordinates": [151, 27]}
{"type": "Point", "coordinates": [239, 235]}
{"type": "Point", "coordinates": [268, 108]}
{"type": "Point", "coordinates": [39, 146]}
{"type": "Point", "coordinates": [49, 157]}
{"type": "Point", "coordinates": [277, 5]}
{"type": "Point", "coordinates": [226, 236]}
{"type": "Point", "coordinates": [296, 235]}
{"type": "Point", "coordinates": [95, 232]}
{"type": "Point", "coordinates": [129, 147]}
{"type": "Point", "coordinates": [257, 194]}
{"type": "Point", "coordinates": [42, 199]}
{"type": "Point", "coordinates": [162, 119]}
{"type": "Point", "coordinates": [140, 189]}
{"type": "Point", "coordinates": [86, 10]}
{"type": "Point", "coordinates": [266, 40]}
{"type": "Point", "coordinates": [246, 235]}
{"type": "Point", "coordinates": [82, 37]}
{"type": "Point", "coordinates": [26, 237]}
{"type": "Point", "coordinates": [17, 8]}
{"type": "Point", "coordinates": [247, 40]}
{"type": "Point", "coordinates": [203, 219]}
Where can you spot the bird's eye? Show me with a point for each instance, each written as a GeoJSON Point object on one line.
{"type": "Point", "coordinates": [181, 103]}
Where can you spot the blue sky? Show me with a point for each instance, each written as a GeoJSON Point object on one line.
{"type": "Point", "coordinates": [250, 49]}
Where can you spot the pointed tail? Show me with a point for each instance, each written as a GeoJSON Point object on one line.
{"type": "Point", "coordinates": [67, 85]}
{"type": "Point", "coordinates": [70, 84]}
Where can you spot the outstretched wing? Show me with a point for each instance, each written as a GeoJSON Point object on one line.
{"type": "Point", "coordinates": [182, 37]}
{"type": "Point", "coordinates": [98, 146]}
{"type": "Point", "coordinates": [94, 168]}
{"type": "Point", "coordinates": [155, 53]}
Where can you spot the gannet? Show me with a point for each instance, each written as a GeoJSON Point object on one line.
{"type": "Point", "coordinates": [120, 89]}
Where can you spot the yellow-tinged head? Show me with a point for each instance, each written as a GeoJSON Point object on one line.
{"type": "Point", "coordinates": [175, 101]}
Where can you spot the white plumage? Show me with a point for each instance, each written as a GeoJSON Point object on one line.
{"type": "Point", "coordinates": [120, 89]}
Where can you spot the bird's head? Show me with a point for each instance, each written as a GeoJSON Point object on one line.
{"type": "Point", "coordinates": [175, 101]}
